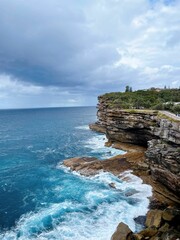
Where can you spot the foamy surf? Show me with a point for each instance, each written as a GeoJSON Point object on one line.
{"type": "Point", "coordinates": [39, 201]}
{"type": "Point", "coordinates": [83, 127]}
{"type": "Point", "coordinates": [97, 146]}
{"type": "Point", "coordinates": [102, 206]}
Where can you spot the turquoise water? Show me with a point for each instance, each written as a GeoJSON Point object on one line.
{"type": "Point", "coordinates": [40, 198]}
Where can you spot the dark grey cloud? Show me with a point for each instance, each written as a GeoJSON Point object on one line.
{"type": "Point", "coordinates": [84, 48]}
{"type": "Point", "coordinates": [53, 36]}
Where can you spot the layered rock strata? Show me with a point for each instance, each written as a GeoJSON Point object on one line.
{"type": "Point", "coordinates": [153, 144]}
{"type": "Point", "coordinates": [160, 134]}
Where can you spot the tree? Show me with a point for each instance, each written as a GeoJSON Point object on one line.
{"type": "Point", "coordinates": [127, 89]}
{"type": "Point", "coordinates": [130, 89]}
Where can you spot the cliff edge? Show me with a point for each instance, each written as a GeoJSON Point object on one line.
{"type": "Point", "coordinates": [152, 129]}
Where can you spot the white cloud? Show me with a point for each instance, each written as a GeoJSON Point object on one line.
{"type": "Point", "coordinates": [13, 85]}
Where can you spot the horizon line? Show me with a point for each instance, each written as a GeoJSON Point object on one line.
{"type": "Point", "coordinates": [31, 108]}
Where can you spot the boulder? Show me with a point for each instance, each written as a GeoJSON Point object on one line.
{"type": "Point", "coordinates": [154, 218]}
{"type": "Point", "coordinates": [122, 232]}
{"type": "Point", "coordinates": [140, 220]}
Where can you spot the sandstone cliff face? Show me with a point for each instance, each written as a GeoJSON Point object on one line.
{"type": "Point", "coordinates": [146, 128]}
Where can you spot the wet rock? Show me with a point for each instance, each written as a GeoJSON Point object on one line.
{"type": "Point", "coordinates": [108, 144]}
{"type": "Point", "coordinates": [131, 192]}
{"type": "Point", "coordinates": [112, 185]}
{"type": "Point", "coordinates": [140, 220]}
{"type": "Point", "coordinates": [122, 232]}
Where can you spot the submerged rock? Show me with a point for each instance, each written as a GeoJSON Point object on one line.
{"type": "Point", "coordinates": [140, 220]}
{"type": "Point", "coordinates": [112, 185]}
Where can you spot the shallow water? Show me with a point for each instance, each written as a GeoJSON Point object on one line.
{"type": "Point", "coordinates": [40, 198]}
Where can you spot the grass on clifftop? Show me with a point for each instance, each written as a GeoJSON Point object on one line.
{"type": "Point", "coordinates": [164, 99]}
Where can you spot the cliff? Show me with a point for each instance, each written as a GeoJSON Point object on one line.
{"type": "Point", "coordinates": [152, 129]}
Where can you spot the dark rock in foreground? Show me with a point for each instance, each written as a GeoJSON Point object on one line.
{"type": "Point", "coordinates": [157, 228]}
{"type": "Point", "coordinates": [122, 232]}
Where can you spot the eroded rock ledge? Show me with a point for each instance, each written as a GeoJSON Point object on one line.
{"type": "Point", "coordinates": [87, 166]}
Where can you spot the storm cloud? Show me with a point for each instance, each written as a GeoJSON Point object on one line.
{"type": "Point", "coordinates": [65, 53]}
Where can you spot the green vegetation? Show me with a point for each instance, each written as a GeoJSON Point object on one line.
{"type": "Point", "coordinates": [155, 99]}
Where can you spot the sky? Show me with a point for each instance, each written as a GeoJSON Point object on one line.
{"type": "Point", "coordinates": [56, 53]}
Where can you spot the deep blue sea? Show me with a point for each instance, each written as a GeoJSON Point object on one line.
{"type": "Point", "coordinates": [40, 198]}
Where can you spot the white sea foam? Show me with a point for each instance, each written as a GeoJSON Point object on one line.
{"type": "Point", "coordinates": [97, 144]}
{"type": "Point", "coordinates": [83, 225]}
{"type": "Point", "coordinates": [83, 127]}
{"type": "Point", "coordinates": [133, 182]}
{"type": "Point", "coordinates": [42, 153]}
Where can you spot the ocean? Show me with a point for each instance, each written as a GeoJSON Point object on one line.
{"type": "Point", "coordinates": [41, 199]}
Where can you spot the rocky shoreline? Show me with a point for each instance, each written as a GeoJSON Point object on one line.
{"type": "Point", "coordinates": [152, 143]}
{"type": "Point", "coordinates": [164, 211]}
{"type": "Point", "coordinates": [151, 129]}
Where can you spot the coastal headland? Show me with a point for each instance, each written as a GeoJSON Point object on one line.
{"type": "Point", "coordinates": [151, 139]}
